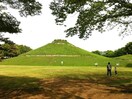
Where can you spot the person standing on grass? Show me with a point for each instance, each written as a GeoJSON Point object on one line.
{"type": "Point", "coordinates": [116, 68]}
{"type": "Point", "coordinates": [109, 69]}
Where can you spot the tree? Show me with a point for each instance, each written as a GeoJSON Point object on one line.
{"type": "Point", "coordinates": [99, 15]}
{"type": "Point", "coordinates": [128, 48]}
{"type": "Point", "coordinates": [109, 53]}
{"type": "Point", "coordinates": [23, 49]}
{"type": "Point", "coordinates": [97, 52]}
{"type": "Point", "coordinates": [8, 23]}
{"type": "Point", "coordinates": [12, 50]}
{"type": "Point", "coordinates": [8, 50]}
{"type": "Point", "coordinates": [120, 52]}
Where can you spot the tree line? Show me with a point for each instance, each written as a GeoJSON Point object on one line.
{"type": "Point", "coordinates": [127, 49]}
{"type": "Point", "coordinates": [11, 50]}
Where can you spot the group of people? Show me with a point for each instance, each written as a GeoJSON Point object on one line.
{"type": "Point", "coordinates": [109, 68]}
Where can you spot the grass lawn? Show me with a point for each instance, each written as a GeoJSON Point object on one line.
{"type": "Point", "coordinates": [18, 80]}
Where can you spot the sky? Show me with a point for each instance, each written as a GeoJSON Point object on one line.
{"type": "Point", "coordinates": [40, 30]}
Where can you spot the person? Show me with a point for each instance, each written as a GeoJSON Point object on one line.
{"type": "Point", "coordinates": [62, 62]}
{"type": "Point", "coordinates": [109, 69]}
{"type": "Point", "coordinates": [115, 70]}
{"type": "Point", "coordinates": [96, 64]}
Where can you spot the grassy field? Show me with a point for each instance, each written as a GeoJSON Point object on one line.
{"type": "Point", "coordinates": [45, 72]}
{"type": "Point", "coordinates": [53, 81]}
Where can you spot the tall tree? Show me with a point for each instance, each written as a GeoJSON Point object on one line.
{"type": "Point", "coordinates": [99, 15]}
{"type": "Point", "coordinates": [8, 23]}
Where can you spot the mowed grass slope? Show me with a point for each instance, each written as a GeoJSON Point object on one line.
{"type": "Point", "coordinates": [127, 59]}
{"type": "Point", "coordinates": [55, 61]}
{"type": "Point", "coordinates": [60, 50]}
{"type": "Point", "coordinates": [53, 53]}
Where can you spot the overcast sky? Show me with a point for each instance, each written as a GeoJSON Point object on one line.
{"type": "Point", "coordinates": [41, 30]}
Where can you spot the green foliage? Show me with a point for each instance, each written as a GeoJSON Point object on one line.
{"type": "Point", "coordinates": [109, 53]}
{"type": "Point", "coordinates": [23, 49]}
{"type": "Point", "coordinates": [99, 15]}
{"type": "Point", "coordinates": [60, 41]}
{"type": "Point", "coordinates": [128, 48]}
{"type": "Point", "coordinates": [8, 23]}
{"type": "Point", "coordinates": [97, 52]}
{"type": "Point", "coordinates": [11, 50]}
{"type": "Point", "coordinates": [120, 52]}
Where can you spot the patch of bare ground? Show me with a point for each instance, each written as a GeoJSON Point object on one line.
{"type": "Point", "coordinates": [58, 88]}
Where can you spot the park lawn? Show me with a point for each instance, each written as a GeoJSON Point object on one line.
{"type": "Point", "coordinates": [20, 82]}
{"type": "Point", "coordinates": [71, 72]}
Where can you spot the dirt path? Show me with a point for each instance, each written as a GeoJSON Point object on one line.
{"type": "Point", "coordinates": [73, 89]}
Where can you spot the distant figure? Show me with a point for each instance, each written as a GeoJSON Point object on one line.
{"type": "Point", "coordinates": [116, 68]}
{"type": "Point", "coordinates": [62, 62]}
{"type": "Point", "coordinates": [96, 64]}
{"type": "Point", "coordinates": [109, 69]}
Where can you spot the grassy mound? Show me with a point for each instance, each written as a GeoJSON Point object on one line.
{"type": "Point", "coordinates": [59, 47]}
{"type": "Point", "coordinates": [61, 52]}
{"type": "Point", "coordinates": [127, 59]}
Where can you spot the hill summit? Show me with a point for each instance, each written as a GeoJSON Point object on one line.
{"type": "Point", "coordinates": [58, 47]}
{"type": "Point", "coordinates": [60, 41]}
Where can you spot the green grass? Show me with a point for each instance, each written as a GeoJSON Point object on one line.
{"type": "Point", "coordinates": [55, 61]}
{"type": "Point", "coordinates": [47, 72]}
{"type": "Point", "coordinates": [125, 58]}
{"type": "Point", "coordinates": [60, 48]}
{"type": "Point", "coordinates": [68, 61]}
{"type": "Point", "coordinates": [27, 79]}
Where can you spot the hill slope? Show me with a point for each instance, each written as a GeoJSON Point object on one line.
{"type": "Point", "coordinates": [59, 47]}
{"type": "Point", "coordinates": [54, 53]}
{"type": "Point", "coordinates": [125, 59]}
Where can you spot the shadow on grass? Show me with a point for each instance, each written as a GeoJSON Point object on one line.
{"type": "Point", "coordinates": [16, 86]}
{"type": "Point", "coordinates": [129, 65]}
{"type": "Point", "coordinates": [74, 88]}
{"type": "Point", "coordinates": [70, 86]}
{"type": "Point", "coordinates": [122, 81]}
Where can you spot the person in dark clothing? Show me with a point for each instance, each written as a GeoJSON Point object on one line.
{"type": "Point", "coordinates": [115, 70]}
{"type": "Point", "coordinates": [109, 69]}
